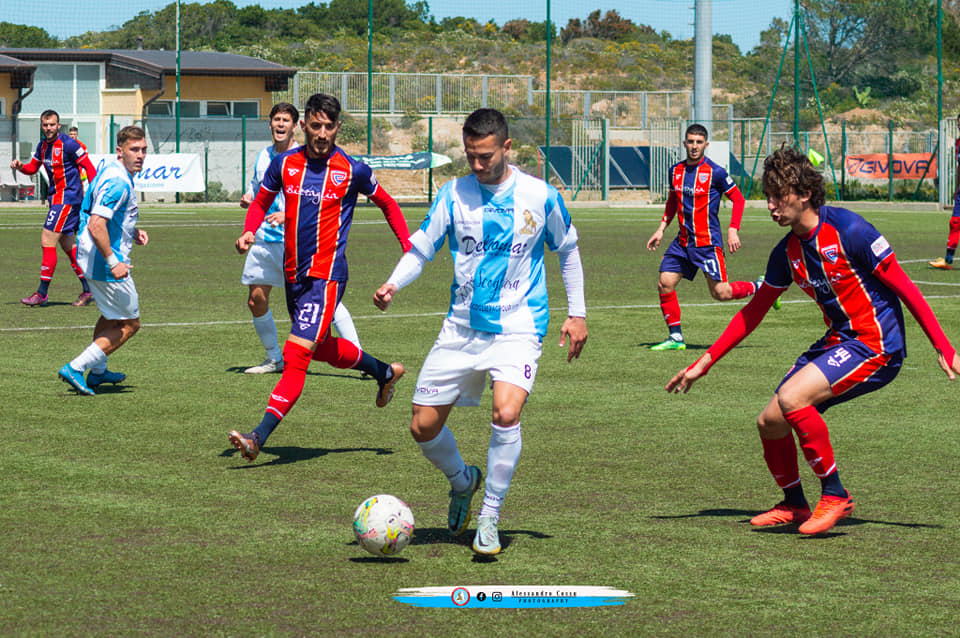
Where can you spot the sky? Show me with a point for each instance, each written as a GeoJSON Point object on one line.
{"type": "Point", "coordinates": [742, 19]}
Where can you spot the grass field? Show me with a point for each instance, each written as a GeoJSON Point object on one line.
{"type": "Point", "coordinates": [128, 514]}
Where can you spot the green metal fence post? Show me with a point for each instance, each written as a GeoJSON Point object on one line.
{"type": "Point", "coordinates": [430, 150]}
{"type": "Point", "coordinates": [890, 159]}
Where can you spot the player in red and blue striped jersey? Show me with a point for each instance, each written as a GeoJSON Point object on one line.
{"type": "Point", "coordinates": [849, 269]}
{"type": "Point", "coordinates": [953, 234]}
{"type": "Point", "coordinates": [697, 185]}
{"type": "Point", "coordinates": [63, 158]}
{"type": "Point", "coordinates": [320, 185]}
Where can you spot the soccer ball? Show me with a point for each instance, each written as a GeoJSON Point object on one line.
{"type": "Point", "coordinates": [383, 525]}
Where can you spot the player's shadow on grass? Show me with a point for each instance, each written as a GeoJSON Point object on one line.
{"type": "Point", "coordinates": [293, 454]}
{"type": "Point", "coordinates": [746, 515]}
{"type": "Point", "coordinates": [440, 536]}
{"type": "Point", "coordinates": [690, 346]}
{"type": "Point", "coordinates": [346, 374]}
{"type": "Point", "coordinates": [101, 390]}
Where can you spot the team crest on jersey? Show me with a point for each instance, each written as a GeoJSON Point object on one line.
{"type": "Point", "coordinates": [703, 177]}
{"type": "Point", "coordinates": [831, 253]}
{"type": "Point", "coordinates": [796, 264]}
{"type": "Point", "coordinates": [529, 224]}
{"type": "Point", "coordinates": [56, 151]}
{"type": "Point", "coordinates": [292, 170]}
{"type": "Point", "coordinates": [337, 177]}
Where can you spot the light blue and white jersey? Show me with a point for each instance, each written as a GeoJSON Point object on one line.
{"type": "Point", "coordinates": [111, 196]}
{"type": "Point", "coordinates": [266, 232]}
{"type": "Point", "coordinates": [496, 238]}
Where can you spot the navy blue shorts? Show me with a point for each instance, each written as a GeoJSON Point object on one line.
{"type": "Point", "coordinates": [852, 369]}
{"type": "Point", "coordinates": [689, 260]}
{"type": "Point", "coordinates": [63, 218]}
{"type": "Point", "coordinates": [311, 304]}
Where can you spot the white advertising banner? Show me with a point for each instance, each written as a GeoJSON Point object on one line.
{"type": "Point", "coordinates": [165, 173]}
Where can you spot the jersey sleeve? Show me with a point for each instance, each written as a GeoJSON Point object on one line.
{"type": "Point", "coordinates": [429, 237]}
{"type": "Point", "coordinates": [778, 267]}
{"type": "Point", "coordinates": [111, 196]}
{"type": "Point", "coordinates": [273, 177]}
{"type": "Point", "coordinates": [561, 234]}
{"type": "Point", "coordinates": [74, 149]}
{"type": "Point", "coordinates": [870, 248]}
{"type": "Point", "coordinates": [364, 179]}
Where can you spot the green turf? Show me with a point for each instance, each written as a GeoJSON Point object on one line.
{"type": "Point", "coordinates": [128, 514]}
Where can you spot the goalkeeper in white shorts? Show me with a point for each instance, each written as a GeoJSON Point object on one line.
{"type": "Point", "coordinates": [263, 268]}
{"type": "Point", "coordinates": [496, 222]}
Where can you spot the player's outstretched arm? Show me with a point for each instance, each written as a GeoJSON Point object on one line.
{"type": "Point", "coordinates": [892, 275]}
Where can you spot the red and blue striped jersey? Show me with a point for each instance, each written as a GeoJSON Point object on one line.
{"type": "Point", "coordinates": [698, 189]}
{"type": "Point", "coordinates": [956, 150]}
{"type": "Point", "coordinates": [61, 160]}
{"type": "Point", "coordinates": [319, 195]}
{"type": "Point", "coordinates": [835, 265]}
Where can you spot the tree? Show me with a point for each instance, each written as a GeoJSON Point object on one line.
{"type": "Point", "coordinates": [20, 36]}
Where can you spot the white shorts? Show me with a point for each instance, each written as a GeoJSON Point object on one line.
{"type": "Point", "coordinates": [455, 370]}
{"type": "Point", "coordinates": [116, 299]}
{"type": "Point", "coordinates": [264, 265]}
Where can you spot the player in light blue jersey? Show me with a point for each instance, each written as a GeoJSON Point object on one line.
{"type": "Point", "coordinates": [263, 267]}
{"type": "Point", "coordinates": [108, 220]}
{"type": "Point", "coordinates": [496, 222]}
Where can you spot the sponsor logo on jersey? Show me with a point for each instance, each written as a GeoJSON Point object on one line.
{"type": "Point", "coordinates": [831, 253]}
{"type": "Point", "coordinates": [880, 245]}
{"type": "Point", "coordinates": [492, 246]}
{"type": "Point", "coordinates": [529, 224]}
{"type": "Point", "coordinates": [338, 177]}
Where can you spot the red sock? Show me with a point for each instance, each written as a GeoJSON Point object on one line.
{"type": "Point", "coordinates": [296, 358]}
{"type": "Point", "coordinates": [670, 308]}
{"type": "Point", "coordinates": [73, 262]}
{"type": "Point", "coordinates": [814, 439]}
{"type": "Point", "coordinates": [743, 289]}
{"type": "Point", "coordinates": [48, 263]}
{"type": "Point", "coordinates": [781, 458]}
{"type": "Point", "coordinates": [340, 353]}
{"type": "Point", "coordinates": [953, 238]}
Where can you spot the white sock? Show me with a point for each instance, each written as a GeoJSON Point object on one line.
{"type": "Point", "coordinates": [442, 451]}
{"type": "Point", "coordinates": [343, 322]}
{"type": "Point", "coordinates": [267, 331]}
{"type": "Point", "coordinates": [100, 366]}
{"type": "Point", "coordinates": [502, 457]}
{"type": "Point", "coordinates": [89, 358]}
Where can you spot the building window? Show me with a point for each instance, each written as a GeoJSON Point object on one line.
{"type": "Point", "coordinates": [205, 108]}
{"type": "Point", "coordinates": [66, 88]}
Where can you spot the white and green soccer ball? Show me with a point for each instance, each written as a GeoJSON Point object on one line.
{"type": "Point", "coordinates": [383, 525]}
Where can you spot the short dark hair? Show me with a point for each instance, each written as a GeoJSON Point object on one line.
{"type": "Point", "coordinates": [696, 129]}
{"type": "Point", "coordinates": [788, 170]}
{"type": "Point", "coordinates": [48, 113]}
{"type": "Point", "coordinates": [128, 133]}
{"type": "Point", "coordinates": [322, 103]}
{"type": "Point", "coordinates": [73, 128]}
{"type": "Point", "coordinates": [484, 122]}
{"type": "Point", "coordinates": [285, 107]}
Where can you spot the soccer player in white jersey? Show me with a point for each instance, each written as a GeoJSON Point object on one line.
{"type": "Point", "coordinates": [496, 222]}
{"type": "Point", "coordinates": [263, 268]}
{"type": "Point", "coordinates": [108, 220]}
